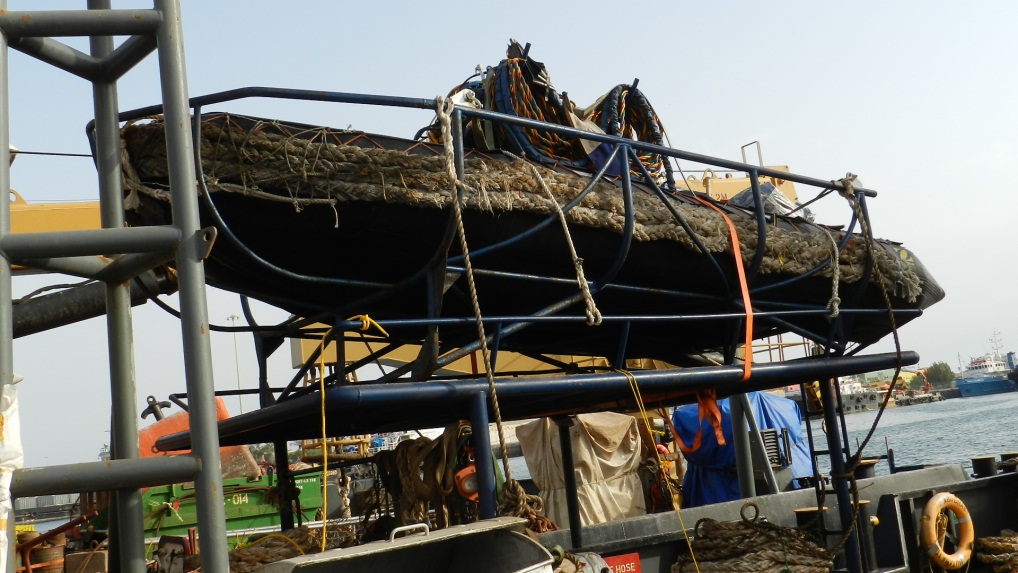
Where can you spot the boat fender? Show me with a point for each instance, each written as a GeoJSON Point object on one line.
{"type": "Point", "coordinates": [932, 536]}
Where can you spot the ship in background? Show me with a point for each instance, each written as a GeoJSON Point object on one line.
{"type": "Point", "coordinates": [987, 374]}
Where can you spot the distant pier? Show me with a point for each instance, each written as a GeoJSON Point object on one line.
{"type": "Point", "coordinates": [28, 510]}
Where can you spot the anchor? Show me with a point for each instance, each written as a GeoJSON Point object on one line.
{"type": "Point", "coordinates": [155, 408]}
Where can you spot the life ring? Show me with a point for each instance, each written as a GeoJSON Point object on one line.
{"type": "Point", "coordinates": [933, 540]}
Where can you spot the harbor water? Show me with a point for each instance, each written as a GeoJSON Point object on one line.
{"type": "Point", "coordinates": [951, 431]}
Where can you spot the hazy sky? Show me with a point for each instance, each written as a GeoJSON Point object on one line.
{"type": "Point", "coordinates": [915, 97]}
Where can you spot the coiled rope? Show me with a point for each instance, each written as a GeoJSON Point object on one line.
{"type": "Point", "coordinates": [999, 551]}
{"type": "Point", "coordinates": [625, 111]}
{"type": "Point", "coordinates": [753, 544]}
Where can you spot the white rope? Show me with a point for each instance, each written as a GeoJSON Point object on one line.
{"type": "Point", "coordinates": [835, 300]}
{"type": "Point", "coordinates": [444, 112]}
{"type": "Point", "coordinates": [593, 314]}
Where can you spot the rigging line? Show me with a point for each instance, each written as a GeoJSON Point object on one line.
{"type": "Point", "coordinates": [849, 193]}
{"type": "Point", "coordinates": [51, 153]}
{"type": "Point", "coordinates": [445, 109]}
{"type": "Point", "coordinates": [634, 386]}
{"type": "Point", "coordinates": [37, 292]}
{"type": "Point", "coordinates": [593, 314]}
{"type": "Point", "coordinates": [325, 437]}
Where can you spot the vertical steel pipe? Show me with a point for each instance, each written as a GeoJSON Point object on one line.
{"type": "Point", "coordinates": [743, 455]}
{"type": "Point", "coordinates": [6, 309]}
{"type": "Point", "coordinates": [838, 467]}
{"type": "Point", "coordinates": [129, 543]}
{"type": "Point", "coordinates": [283, 477]}
{"type": "Point", "coordinates": [481, 438]}
{"type": "Point", "coordinates": [569, 469]}
{"type": "Point", "coordinates": [193, 304]}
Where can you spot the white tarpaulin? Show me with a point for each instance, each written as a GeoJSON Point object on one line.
{"type": "Point", "coordinates": [606, 456]}
{"type": "Point", "coordinates": [11, 458]}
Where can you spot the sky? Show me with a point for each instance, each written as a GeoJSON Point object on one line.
{"type": "Point", "coordinates": [917, 98]}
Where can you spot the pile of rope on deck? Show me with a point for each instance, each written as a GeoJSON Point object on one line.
{"type": "Point", "coordinates": [307, 168]}
{"type": "Point", "coordinates": [1000, 552]}
{"type": "Point", "coordinates": [419, 476]}
{"type": "Point", "coordinates": [752, 544]}
{"type": "Point", "coordinates": [271, 548]}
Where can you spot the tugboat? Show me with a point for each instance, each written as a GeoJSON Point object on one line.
{"type": "Point", "coordinates": [836, 286]}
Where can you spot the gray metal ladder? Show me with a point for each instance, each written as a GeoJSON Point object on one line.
{"type": "Point", "coordinates": [130, 251]}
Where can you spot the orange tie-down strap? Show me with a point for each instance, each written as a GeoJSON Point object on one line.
{"type": "Point", "coordinates": [733, 238]}
{"type": "Point", "coordinates": [706, 407]}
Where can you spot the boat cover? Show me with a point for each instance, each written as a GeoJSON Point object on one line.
{"type": "Point", "coordinates": [710, 469]}
{"type": "Point", "coordinates": [606, 456]}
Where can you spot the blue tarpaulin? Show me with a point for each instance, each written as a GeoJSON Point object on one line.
{"type": "Point", "coordinates": [710, 470]}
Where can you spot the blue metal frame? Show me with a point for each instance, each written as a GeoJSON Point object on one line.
{"type": "Point", "coordinates": [388, 391]}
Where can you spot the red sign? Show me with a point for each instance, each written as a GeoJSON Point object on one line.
{"type": "Point", "coordinates": [628, 563]}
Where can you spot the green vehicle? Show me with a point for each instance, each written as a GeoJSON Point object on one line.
{"type": "Point", "coordinates": [250, 504]}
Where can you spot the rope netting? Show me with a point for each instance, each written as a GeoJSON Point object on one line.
{"type": "Point", "coordinates": [271, 161]}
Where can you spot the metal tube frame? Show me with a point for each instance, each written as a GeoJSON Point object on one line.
{"type": "Point", "coordinates": [31, 33]}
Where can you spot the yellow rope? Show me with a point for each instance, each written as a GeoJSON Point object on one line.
{"type": "Point", "coordinates": [638, 398]}
{"type": "Point", "coordinates": [367, 323]}
{"type": "Point", "coordinates": [325, 439]}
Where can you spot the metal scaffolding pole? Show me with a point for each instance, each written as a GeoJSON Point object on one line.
{"type": "Point", "coordinates": [191, 280]}
{"type": "Point", "coordinates": [159, 27]}
{"type": "Point", "coordinates": [6, 311]}
{"type": "Point", "coordinates": [129, 542]}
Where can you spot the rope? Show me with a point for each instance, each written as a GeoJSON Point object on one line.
{"type": "Point", "coordinates": [286, 539]}
{"type": "Point", "coordinates": [754, 544]}
{"type": "Point", "coordinates": [271, 548]}
{"type": "Point", "coordinates": [521, 504]}
{"type": "Point", "coordinates": [325, 437]}
{"type": "Point", "coordinates": [634, 386]}
{"type": "Point", "coordinates": [88, 561]}
{"type": "Point", "coordinates": [445, 108]}
{"type": "Point", "coordinates": [835, 300]}
{"type": "Point", "coordinates": [999, 551]}
{"type": "Point", "coordinates": [512, 491]}
{"type": "Point", "coordinates": [847, 191]}
{"type": "Point", "coordinates": [593, 314]}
